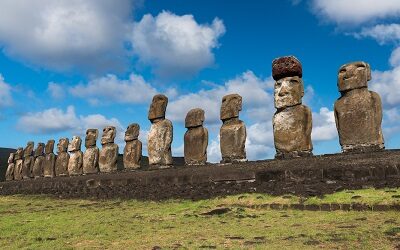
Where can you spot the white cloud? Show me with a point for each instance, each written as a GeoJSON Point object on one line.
{"type": "Point", "coordinates": [56, 91]}
{"type": "Point", "coordinates": [176, 45]}
{"type": "Point", "coordinates": [5, 93]}
{"type": "Point", "coordinates": [324, 126]}
{"type": "Point", "coordinates": [383, 33]}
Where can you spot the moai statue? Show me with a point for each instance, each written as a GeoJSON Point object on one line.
{"type": "Point", "coordinates": [91, 155]}
{"type": "Point", "coordinates": [133, 147]}
{"type": "Point", "coordinates": [62, 158]}
{"type": "Point", "coordinates": [292, 122]}
{"type": "Point", "coordinates": [196, 138]}
{"type": "Point", "coordinates": [160, 135]}
{"type": "Point", "coordinates": [18, 159]}
{"type": "Point", "coordinates": [75, 163]}
{"type": "Point", "coordinates": [109, 151]}
{"type": "Point", "coordinates": [10, 168]}
{"type": "Point", "coordinates": [233, 130]}
{"type": "Point", "coordinates": [29, 160]}
{"type": "Point", "coordinates": [358, 112]}
{"type": "Point", "coordinates": [50, 160]}
{"type": "Point", "coordinates": [37, 170]}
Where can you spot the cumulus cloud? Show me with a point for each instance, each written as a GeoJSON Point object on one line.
{"type": "Point", "coordinates": [56, 90]}
{"type": "Point", "coordinates": [324, 126]}
{"type": "Point", "coordinates": [5, 93]}
{"type": "Point", "coordinates": [383, 33]}
{"type": "Point", "coordinates": [176, 45]}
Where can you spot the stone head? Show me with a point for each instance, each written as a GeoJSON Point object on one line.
{"type": "Point", "coordinates": [49, 147]}
{"type": "Point", "coordinates": [194, 118]}
{"type": "Point", "coordinates": [158, 107]}
{"type": "Point", "coordinates": [29, 149]}
{"type": "Point", "coordinates": [354, 75]}
{"type": "Point", "coordinates": [62, 145]}
{"type": "Point", "coordinates": [109, 134]}
{"type": "Point", "coordinates": [39, 149]}
{"type": "Point", "coordinates": [288, 91]}
{"type": "Point", "coordinates": [19, 154]}
{"type": "Point", "coordinates": [231, 106]}
{"type": "Point", "coordinates": [132, 132]}
{"type": "Point", "coordinates": [11, 158]}
{"type": "Point", "coordinates": [75, 144]}
{"type": "Point", "coordinates": [91, 137]}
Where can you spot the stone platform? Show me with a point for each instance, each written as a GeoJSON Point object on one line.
{"type": "Point", "coordinates": [307, 176]}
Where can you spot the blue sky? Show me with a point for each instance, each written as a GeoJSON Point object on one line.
{"type": "Point", "coordinates": [70, 65]}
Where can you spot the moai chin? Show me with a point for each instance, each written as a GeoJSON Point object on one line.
{"type": "Point", "coordinates": [196, 138]}
{"type": "Point", "coordinates": [161, 134]}
{"type": "Point", "coordinates": [91, 155]}
{"type": "Point", "coordinates": [29, 160]}
{"type": "Point", "coordinates": [39, 161]}
{"type": "Point", "coordinates": [109, 151]}
{"type": "Point", "coordinates": [292, 122]}
{"type": "Point", "coordinates": [75, 163]}
{"type": "Point", "coordinates": [10, 168]}
{"type": "Point", "coordinates": [50, 160]}
{"type": "Point", "coordinates": [18, 159]}
{"type": "Point", "coordinates": [358, 112]}
{"type": "Point", "coordinates": [62, 158]}
{"type": "Point", "coordinates": [133, 147]}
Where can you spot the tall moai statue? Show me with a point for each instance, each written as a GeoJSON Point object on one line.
{"type": "Point", "coordinates": [50, 160]}
{"type": "Point", "coordinates": [75, 163]}
{"type": "Point", "coordinates": [292, 121]}
{"type": "Point", "coordinates": [233, 130]}
{"type": "Point", "coordinates": [37, 170]}
{"type": "Point", "coordinates": [358, 112]}
{"type": "Point", "coordinates": [109, 151]}
{"type": "Point", "coordinates": [196, 138]}
{"type": "Point", "coordinates": [18, 159]}
{"type": "Point", "coordinates": [10, 167]}
{"type": "Point", "coordinates": [62, 158]}
{"type": "Point", "coordinates": [29, 160]}
{"type": "Point", "coordinates": [161, 134]}
{"type": "Point", "coordinates": [133, 147]}
{"type": "Point", "coordinates": [91, 155]}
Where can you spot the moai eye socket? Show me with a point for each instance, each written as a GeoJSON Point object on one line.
{"type": "Point", "coordinates": [294, 81]}
{"type": "Point", "coordinates": [342, 70]}
{"type": "Point", "coordinates": [278, 83]}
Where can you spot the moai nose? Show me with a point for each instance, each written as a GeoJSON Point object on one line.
{"type": "Point", "coordinates": [284, 90]}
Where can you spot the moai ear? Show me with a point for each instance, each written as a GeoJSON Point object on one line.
{"type": "Point", "coordinates": [368, 68]}
{"type": "Point", "coordinates": [302, 87]}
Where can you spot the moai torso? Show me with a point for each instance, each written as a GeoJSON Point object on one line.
{"type": "Point", "coordinates": [18, 164]}
{"type": "Point", "coordinates": [39, 160]}
{"type": "Point", "coordinates": [75, 163]}
{"type": "Point", "coordinates": [133, 147]}
{"type": "Point", "coordinates": [233, 131]}
{"type": "Point", "coordinates": [358, 112]}
{"type": "Point", "coordinates": [29, 160]}
{"type": "Point", "coordinates": [62, 158]}
{"type": "Point", "coordinates": [91, 155]}
{"type": "Point", "coordinates": [50, 160]}
{"type": "Point", "coordinates": [10, 168]}
{"type": "Point", "coordinates": [196, 138]}
{"type": "Point", "coordinates": [109, 151]}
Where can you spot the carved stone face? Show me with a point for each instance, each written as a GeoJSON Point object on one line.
{"type": "Point", "coordinates": [194, 118]}
{"type": "Point", "coordinates": [62, 145]}
{"type": "Point", "coordinates": [29, 149]}
{"type": "Point", "coordinates": [132, 132]}
{"type": "Point", "coordinates": [75, 144]}
{"type": "Point", "coordinates": [11, 158]}
{"type": "Point", "coordinates": [49, 147]}
{"type": "Point", "coordinates": [39, 149]}
{"type": "Point", "coordinates": [109, 133]}
{"type": "Point", "coordinates": [288, 92]}
{"type": "Point", "coordinates": [158, 107]}
{"type": "Point", "coordinates": [91, 137]}
{"type": "Point", "coordinates": [19, 154]}
{"type": "Point", "coordinates": [353, 76]}
{"type": "Point", "coordinates": [231, 105]}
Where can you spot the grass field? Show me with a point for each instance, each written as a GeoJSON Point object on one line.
{"type": "Point", "coordinates": [35, 222]}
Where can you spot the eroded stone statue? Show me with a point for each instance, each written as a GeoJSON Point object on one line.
{"type": "Point", "coordinates": [196, 138]}
{"type": "Point", "coordinates": [62, 158]}
{"type": "Point", "coordinates": [233, 130]}
{"type": "Point", "coordinates": [160, 135]}
{"type": "Point", "coordinates": [29, 160]}
{"type": "Point", "coordinates": [50, 160]}
{"type": "Point", "coordinates": [10, 168]}
{"type": "Point", "coordinates": [109, 151]}
{"type": "Point", "coordinates": [75, 163]}
{"type": "Point", "coordinates": [133, 147]}
{"type": "Point", "coordinates": [18, 159]}
{"type": "Point", "coordinates": [292, 122]}
{"type": "Point", "coordinates": [358, 112]}
{"type": "Point", "coordinates": [91, 155]}
{"type": "Point", "coordinates": [37, 170]}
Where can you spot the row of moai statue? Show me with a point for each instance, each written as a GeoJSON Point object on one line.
{"type": "Point", "coordinates": [358, 115]}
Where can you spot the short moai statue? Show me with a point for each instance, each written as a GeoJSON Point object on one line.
{"type": "Point", "coordinates": [75, 163]}
{"type": "Point", "coordinates": [29, 160]}
{"type": "Point", "coordinates": [196, 138]}
{"type": "Point", "coordinates": [233, 130]}
{"type": "Point", "coordinates": [37, 170]}
{"type": "Point", "coordinates": [358, 112]}
{"type": "Point", "coordinates": [109, 151]}
{"type": "Point", "coordinates": [133, 147]}
{"type": "Point", "coordinates": [91, 155]}
{"type": "Point", "coordinates": [160, 135]}
{"type": "Point", "coordinates": [10, 168]}
{"type": "Point", "coordinates": [62, 158]}
{"type": "Point", "coordinates": [18, 159]}
{"type": "Point", "coordinates": [50, 160]}
{"type": "Point", "coordinates": [292, 121]}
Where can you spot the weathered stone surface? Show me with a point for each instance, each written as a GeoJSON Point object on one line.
{"type": "Point", "coordinates": [285, 67]}
{"type": "Point", "coordinates": [159, 143]}
{"type": "Point", "coordinates": [196, 138]}
{"type": "Point", "coordinates": [231, 106]}
{"type": "Point", "coordinates": [29, 160]}
{"type": "Point", "coordinates": [194, 118]}
{"type": "Point", "coordinates": [62, 158]}
{"type": "Point", "coordinates": [18, 164]}
{"type": "Point", "coordinates": [109, 151]}
{"type": "Point", "coordinates": [133, 147]}
{"type": "Point", "coordinates": [158, 107]}
{"type": "Point", "coordinates": [75, 163]}
{"type": "Point", "coordinates": [91, 155]}
{"type": "Point", "coordinates": [91, 137]}
{"type": "Point", "coordinates": [288, 92]}
{"type": "Point", "coordinates": [50, 160]}
{"type": "Point", "coordinates": [358, 112]}
{"type": "Point", "coordinates": [39, 160]}
{"type": "Point", "coordinates": [10, 168]}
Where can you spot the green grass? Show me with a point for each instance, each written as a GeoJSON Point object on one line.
{"type": "Point", "coordinates": [33, 222]}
